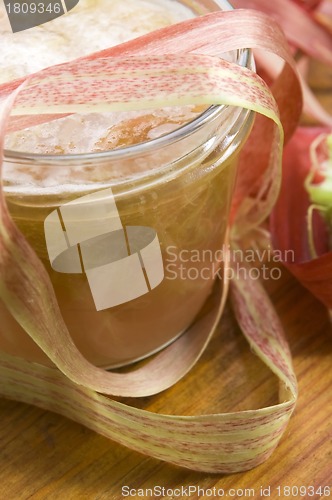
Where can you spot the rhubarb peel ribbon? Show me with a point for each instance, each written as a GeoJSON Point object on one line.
{"type": "Point", "coordinates": [153, 71]}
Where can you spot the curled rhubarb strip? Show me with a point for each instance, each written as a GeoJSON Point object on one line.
{"type": "Point", "coordinates": [233, 30]}
{"type": "Point", "coordinates": [263, 330]}
{"type": "Point", "coordinates": [223, 443]}
{"type": "Point", "coordinates": [311, 105]}
{"type": "Point", "coordinates": [215, 443]}
{"type": "Point", "coordinates": [212, 35]}
{"type": "Point", "coordinates": [189, 78]}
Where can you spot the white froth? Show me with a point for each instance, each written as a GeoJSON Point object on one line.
{"type": "Point", "coordinates": [91, 26]}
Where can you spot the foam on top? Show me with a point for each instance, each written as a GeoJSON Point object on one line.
{"type": "Point", "coordinates": [93, 25]}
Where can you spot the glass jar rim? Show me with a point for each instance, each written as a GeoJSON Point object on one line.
{"type": "Point", "coordinates": [243, 59]}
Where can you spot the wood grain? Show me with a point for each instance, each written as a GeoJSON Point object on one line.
{"type": "Point", "coordinates": [44, 456]}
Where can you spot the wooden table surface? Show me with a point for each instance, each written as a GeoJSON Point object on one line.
{"type": "Point", "coordinates": [45, 456]}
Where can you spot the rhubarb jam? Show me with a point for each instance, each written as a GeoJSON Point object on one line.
{"type": "Point", "coordinates": [170, 170]}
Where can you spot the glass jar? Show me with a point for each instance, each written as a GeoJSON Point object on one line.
{"type": "Point", "coordinates": [178, 199]}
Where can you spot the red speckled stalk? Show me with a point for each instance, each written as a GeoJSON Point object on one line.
{"type": "Point", "coordinates": [292, 232]}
